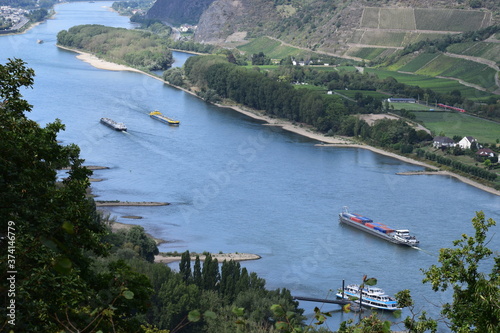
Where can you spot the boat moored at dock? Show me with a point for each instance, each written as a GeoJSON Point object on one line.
{"type": "Point", "coordinates": [158, 116]}
{"type": "Point", "coordinates": [397, 236]}
{"type": "Point", "coordinates": [113, 124]}
{"type": "Point", "coordinates": [368, 296]}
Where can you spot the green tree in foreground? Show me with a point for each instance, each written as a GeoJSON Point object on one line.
{"type": "Point", "coordinates": [476, 295]}
{"type": "Point", "coordinates": [55, 231]}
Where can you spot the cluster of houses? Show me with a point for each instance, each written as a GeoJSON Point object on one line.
{"type": "Point", "coordinates": [308, 62]}
{"type": "Point", "coordinates": [188, 28]}
{"type": "Point", "coordinates": [443, 142]}
{"type": "Point", "coordinates": [16, 17]}
{"type": "Point", "coordinates": [12, 14]}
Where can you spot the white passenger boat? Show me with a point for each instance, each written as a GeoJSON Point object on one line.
{"type": "Point", "coordinates": [371, 297]}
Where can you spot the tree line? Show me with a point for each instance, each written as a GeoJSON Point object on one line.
{"type": "Point", "coordinates": [140, 49]}
{"type": "Point", "coordinates": [457, 165]}
{"type": "Point", "coordinates": [269, 91]}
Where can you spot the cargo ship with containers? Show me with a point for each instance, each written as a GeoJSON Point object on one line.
{"type": "Point", "coordinates": [113, 124]}
{"type": "Point", "coordinates": [157, 115]}
{"type": "Point", "coordinates": [397, 236]}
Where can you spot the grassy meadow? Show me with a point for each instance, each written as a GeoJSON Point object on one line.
{"type": "Point", "coordinates": [411, 106]}
{"type": "Point", "coordinates": [453, 123]}
{"type": "Point", "coordinates": [352, 93]}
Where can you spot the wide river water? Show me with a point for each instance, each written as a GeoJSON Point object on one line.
{"type": "Point", "coordinates": [237, 185]}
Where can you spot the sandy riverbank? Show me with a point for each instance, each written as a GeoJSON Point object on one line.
{"type": "Point", "coordinates": [219, 256]}
{"type": "Point", "coordinates": [130, 203]}
{"type": "Point", "coordinates": [165, 259]}
{"type": "Point", "coordinates": [307, 131]}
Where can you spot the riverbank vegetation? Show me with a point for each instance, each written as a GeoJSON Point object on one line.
{"type": "Point", "coordinates": [271, 92]}
{"type": "Point", "coordinates": [68, 272]}
{"type": "Point", "coordinates": [134, 48]}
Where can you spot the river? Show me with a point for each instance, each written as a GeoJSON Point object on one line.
{"type": "Point", "coordinates": [237, 185]}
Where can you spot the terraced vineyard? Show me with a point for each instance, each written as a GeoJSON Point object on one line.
{"type": "Point", "coordinates": [383, 38]}
{"type": "Point", "coordinates": [424, 19]}
{"type": "Point", "coordinates": [416, 63]}
{"type": "Point", "coordinates": [436, 84]}
{"type": "Point", "coordinates": [436, 64]}
{"type": "Point", "coordinates": [370, 53]}
{"type": "Point", "coordinates": [486, 50]}
{"type": "Point", "coordinates": [450, 19]}
{"type": "Point", "coordinates": [272, 48]}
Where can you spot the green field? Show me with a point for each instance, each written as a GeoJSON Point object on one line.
{"type": "Point", "coordinates": [452, 123]}
{"type": "Point", "coordinates": [272, 49]}
{"type": "Point", "coordinates": [368, 53]}
{"type": "Point", "coordinates": [352, 93]}
{"type": "Point", "coordinates": [411, 106]}
{"type": "Point", "coordinates": [418, 62]}
{"type": "Point", "coordinates": [436, 84]}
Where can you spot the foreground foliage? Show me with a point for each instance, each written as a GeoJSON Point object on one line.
{"type": "Point", "coordinates": [476, 295]}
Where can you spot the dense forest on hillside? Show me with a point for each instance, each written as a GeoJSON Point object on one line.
{"type": "Point", "coordinates": [139, 49]}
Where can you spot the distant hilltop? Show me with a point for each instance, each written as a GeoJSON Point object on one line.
{"type": "Point", "coordinates": [341, 27]}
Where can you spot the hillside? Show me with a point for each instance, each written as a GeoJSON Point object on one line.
{"type": "Point", "coordinates": [342, 27]}
{"type": "Point", "coordinates": [373, 31]}
{"type": "Point", "coordinates": [178, 11]}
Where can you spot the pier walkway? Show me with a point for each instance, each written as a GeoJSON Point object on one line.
{"type": "Point", "coordinates": [322, 300]}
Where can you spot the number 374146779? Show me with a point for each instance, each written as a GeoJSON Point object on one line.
{"type": "Point", "coordinates": [11, 248]}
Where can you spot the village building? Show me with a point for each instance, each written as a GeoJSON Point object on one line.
{"type": "Point", "coordinates": [485, 152]}
{"type": "Point", "coordinates": [443, 142]}
{"type": "Point", "coordinates": [467, 142]}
